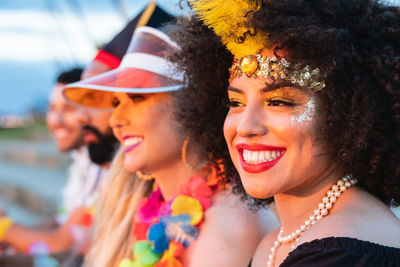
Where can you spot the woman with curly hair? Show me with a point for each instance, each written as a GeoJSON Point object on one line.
{"type": "Point", "coordinates": [313, 123]}
{"type": "Point", "coordinates": [162, 205]}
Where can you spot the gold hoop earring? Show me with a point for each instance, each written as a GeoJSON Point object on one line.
{"type": "Point", "coordinates": [184, 157]}
{"type": "Point", "coordinates": [144, 176]}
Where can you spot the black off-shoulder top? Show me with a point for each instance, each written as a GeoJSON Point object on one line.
{"type": "Point", "coordinates": [342, 252]}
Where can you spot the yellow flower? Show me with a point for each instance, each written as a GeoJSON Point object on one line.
{"type": "Point", "coordinates": [170, 257]}
{"type": "Point", "coordinates": [126, 263]}
{"type": "Point", "coordinates": [189, 206]}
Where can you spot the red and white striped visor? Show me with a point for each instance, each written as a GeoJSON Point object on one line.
{"type": "Point", "coordinates": [144, 69]}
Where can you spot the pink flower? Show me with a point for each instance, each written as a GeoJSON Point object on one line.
{"type": "Point", "coordinates": [197, 188]}
{"type": "Point", "coordinates": [149, 208]}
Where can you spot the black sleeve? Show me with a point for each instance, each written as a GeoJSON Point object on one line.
{"type": "Point", "coordinates": [343, 252]}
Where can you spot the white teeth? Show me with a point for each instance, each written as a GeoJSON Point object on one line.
{"type": "Point", "coordinates": [132, 141]}
{"type": "Point", "coordinates": [261, 157]}
{"type": "Point", "coordinates": [267, 154]}
{"type": "Point", "coordinates": [255, 157]}
{"type": "Point", "coordinates": [246, 155]}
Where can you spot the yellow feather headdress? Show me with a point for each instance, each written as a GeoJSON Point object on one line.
{"type": "Point", "coordinates": [228, 20]}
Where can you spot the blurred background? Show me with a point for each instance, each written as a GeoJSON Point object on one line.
{"type": "Point", "coordinates": [39, 39]}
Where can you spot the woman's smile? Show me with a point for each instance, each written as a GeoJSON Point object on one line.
{"type": "Point", "coordinates": [130, 142]}
{"type": "Point", "coordinates": [138, 121]}
{"type": "Point", "coordinates": [258, 157]}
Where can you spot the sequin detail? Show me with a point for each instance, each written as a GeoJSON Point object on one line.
{"type": "Point", "coordinates": [258, 66]}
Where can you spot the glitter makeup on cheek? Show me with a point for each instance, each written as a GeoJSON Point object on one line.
{"type": "Point", "coordinates": [307, 115]}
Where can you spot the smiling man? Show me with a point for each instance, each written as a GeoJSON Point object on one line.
{"type": "Point", "coordinates": [63, 117]}
{"type": "Point", "coordinates": [84, 133]}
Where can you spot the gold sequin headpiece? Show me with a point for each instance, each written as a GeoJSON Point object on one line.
{"type": "Point", "coordinates": [229, 20]}
{"type": "Point", "coordinates": [258, 66]}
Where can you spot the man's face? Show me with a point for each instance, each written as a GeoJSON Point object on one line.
{"type": "Point", "coordinates": [64, 121]}
{"type": "Point", "coordinates": [99, 137]}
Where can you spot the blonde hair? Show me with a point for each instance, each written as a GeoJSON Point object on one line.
{"type": "Point", "coordinates": [113, 240]}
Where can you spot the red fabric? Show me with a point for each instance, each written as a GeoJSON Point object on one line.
{"type": "Point", "coordinates": [87, 219]}
{"type": "Point", "coordinates": [108, 59]}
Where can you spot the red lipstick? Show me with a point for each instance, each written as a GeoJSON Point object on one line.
{"type": "Point", "coordinates": [262, 166]}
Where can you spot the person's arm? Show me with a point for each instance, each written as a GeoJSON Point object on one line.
{"type": "Point", "coordinates": [50, 224]}
{"type": "Point", "coordinates": [59, 239]}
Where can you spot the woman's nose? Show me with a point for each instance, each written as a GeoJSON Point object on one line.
{"type": "Point", "coordinates": [118, 117]}
{"type": "Point", "coordinates": [252, 122]}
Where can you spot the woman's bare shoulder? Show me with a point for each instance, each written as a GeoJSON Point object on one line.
{"type": "Point", "coordinates": [229, 234]}
{"type": "Point", "coordinates": [234, 215]}
{"type": "Point", "coordinates": [360, 216]}
{"type": "Point", "coordinates": [260, 255]}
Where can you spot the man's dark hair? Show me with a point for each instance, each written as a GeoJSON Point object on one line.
{"type": "Point", "coordinates": [70, 76]}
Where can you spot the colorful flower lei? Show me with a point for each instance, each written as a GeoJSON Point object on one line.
{"type": "Point", "coordinates": [163, 229]}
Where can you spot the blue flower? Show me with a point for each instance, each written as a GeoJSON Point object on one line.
{"type": "Point", "coordinates": [179, 228]}
{"type": "Point", "coordinates": [157, 234]}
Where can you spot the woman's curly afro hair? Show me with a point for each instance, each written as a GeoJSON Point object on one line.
{"type": "Point", "coordinates": [201, 107]}
{"type": "Point", "coordinates": [357, 44]}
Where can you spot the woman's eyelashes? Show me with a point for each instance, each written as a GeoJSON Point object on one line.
{"type": "Point", "coordinates": [115, 102]}
{"type": "Point", "coordinates": [279, 103]}
{"type": "Point", "coordinates": [133, 97]}
{"type": "Point", "coordinates": [236, 103]}
{"type": "Point", "coordinates": [136, 97]}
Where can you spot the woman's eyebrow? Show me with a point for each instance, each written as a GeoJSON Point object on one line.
{"type": "Point", "coordinates": [276, 85]}
{"type": "Point", "coordinates": [234, 89]}
{"type": "Point", "coordinates": [266, 88]}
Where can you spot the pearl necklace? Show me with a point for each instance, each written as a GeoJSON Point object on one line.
{"type": "Point", "coordinates": [323, 208]}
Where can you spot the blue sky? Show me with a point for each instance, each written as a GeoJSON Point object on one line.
{"type": "Point", "coordinates": [40, 38]}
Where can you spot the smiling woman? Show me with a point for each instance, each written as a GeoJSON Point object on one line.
{"type": "Point", "coordinates": [143, 147]}
{"type": "Point", "coordinates": [273, 124]}
{"type": "Point", "coordinates": [271, 114]}
{"type": "Point", "coordinates": [313, 119]}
